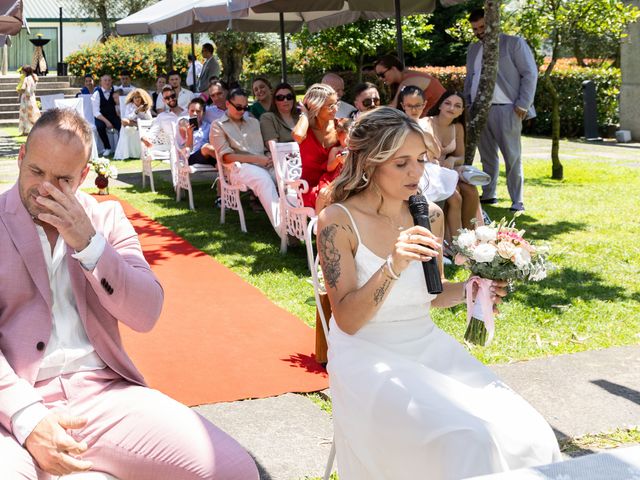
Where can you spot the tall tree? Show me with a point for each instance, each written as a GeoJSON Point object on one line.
{"type": "Point", "coordinates": [108, 10]}
{"type": "Point", "coordinates": [558, 22]}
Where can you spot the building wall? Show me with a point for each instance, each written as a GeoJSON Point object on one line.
{"type": "Point", "coordinates": [630, 90]}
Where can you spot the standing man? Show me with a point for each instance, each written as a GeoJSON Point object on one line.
{"type": "Point", "coordinates": [72, 271]}
{"type": "Point", "coordinates": [336, 82]}
{"type": "Point", "coordinates": [210, 68]}
{"type": "Point", "coordinates": [193, 72]}
{"type": "Point", "coordinates": [104, 111]}
{"type": "Point", "coordinates": [512, 102]}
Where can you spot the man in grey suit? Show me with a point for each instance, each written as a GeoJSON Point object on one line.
{"type": "Point", "coordinates": [512, 102]}
{"type": "Point", "coordinates": [210, 68]}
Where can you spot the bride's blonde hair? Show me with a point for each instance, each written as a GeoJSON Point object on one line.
{"type": "Point", "coordinates": [373, 139]}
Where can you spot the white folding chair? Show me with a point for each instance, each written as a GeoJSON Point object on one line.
{"type": "Point", "coordinates": [230, 191]}
{"type": "Point", "coordinates": [184, 172]}
{"type": "Point", "coordinates": [48, 102]}
{"type": "Point", "coordinates": [313, 261]}
{"type": "Point", "coordinates": [149, 154]}
{"type": "Point", "coordinates": [87, 110]}
{"type": "Point", "coordinates": [70, 103]}
{"type": "Point", "coordinates": [294, 216]}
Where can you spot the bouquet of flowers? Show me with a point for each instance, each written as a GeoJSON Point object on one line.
{"type": "Point", "coordinates": [102, 166]}
{"type": "Point", "coordinates": [494, 252]}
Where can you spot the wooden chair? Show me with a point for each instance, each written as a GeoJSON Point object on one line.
{"type": "Point", "coordinates": [294, 216]}
{"type": "Point", "coordinates": [318, 291]}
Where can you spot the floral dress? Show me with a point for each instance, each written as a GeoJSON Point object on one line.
{"type": "Point", "coordinates": [29, 111]}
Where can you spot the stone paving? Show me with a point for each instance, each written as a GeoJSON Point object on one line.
{"type": "Point", "coordinates": [589, 392]}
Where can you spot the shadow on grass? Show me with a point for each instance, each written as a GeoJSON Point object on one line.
{"type": "Point", "coordinates": [569, 446]}
{"type": "Point", "coordinates": [535, 229]}
{"type": "Point", "coordinates": [257, 250]}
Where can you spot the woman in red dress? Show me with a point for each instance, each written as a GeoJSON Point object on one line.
{"type": "Point", "coordinates": [316, 134]}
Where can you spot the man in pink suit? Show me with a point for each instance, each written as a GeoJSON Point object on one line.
{"type": "Point", "coordinates": [72, 268]}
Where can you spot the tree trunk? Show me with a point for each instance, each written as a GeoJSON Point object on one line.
{"type": "Point", "coordinates": [479, 111]}
{"type": "Point", "coordinates": [577, 52]}
{"type": "Point", "coordinates": [101, 11]}
{"type": "Point", "coordinates": [557, 171]}
{"type": "Point", "coordinates": [168, 43]}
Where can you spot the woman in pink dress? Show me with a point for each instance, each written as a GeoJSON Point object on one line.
{"type": "Point", "coordinates": [29, 111]}
{"type": "Point", "coordinates": [316, 134]}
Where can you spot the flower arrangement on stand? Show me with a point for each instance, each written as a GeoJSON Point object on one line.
{"type": "Point", "coordinates": [494, 252]}
{"type": "Point", "coordinates": [103, 168]}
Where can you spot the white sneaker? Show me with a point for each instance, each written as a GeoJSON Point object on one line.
{"type": "Point", "coordinates": [106, 152]}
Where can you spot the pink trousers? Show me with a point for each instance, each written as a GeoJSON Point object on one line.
{"type": "Point", "coordinates": [133, 432]}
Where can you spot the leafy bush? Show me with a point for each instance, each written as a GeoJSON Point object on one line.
{"type": "Point", "coordinates": [145, 60]}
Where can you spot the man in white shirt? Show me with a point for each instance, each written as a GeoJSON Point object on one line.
{"type": "Point", "coordinates": [336, 82]}
{"type": "Point", "coordinates": [163, 129]}
{"type": "Point", "coordinates": [105, 113]}
{"type": "Point", "coordinates": [72, 270]}
{"type": "Point", "coordinates": [125, 82]}
{"type": "Point", "coordinates": [184, 96]}
{"type": "Point", "coordinates": [191, 79]}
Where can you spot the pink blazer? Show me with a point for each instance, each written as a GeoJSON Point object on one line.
{"type": "Point", "coordinates": [121, 288]}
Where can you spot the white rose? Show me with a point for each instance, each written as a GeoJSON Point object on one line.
{"type": "Point", "coordinates": [486, 234]}
{"type": "Point", "coordinates": [521, 257]}
{"type": "Point", "coordinates": [506, 249]}
{"type": "Point", "coordinates": [466, 240]}
{"type": "Point", "coordinates": [484, 252]}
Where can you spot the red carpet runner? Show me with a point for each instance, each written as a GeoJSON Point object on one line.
{"type": "Point", "coordinates": [218, 339]}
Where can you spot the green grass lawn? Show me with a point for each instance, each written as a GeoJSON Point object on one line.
{"type": "Point", "coordinates": [591, 300]}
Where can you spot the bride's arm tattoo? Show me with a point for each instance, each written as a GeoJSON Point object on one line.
{"type": "Point", "coordinates": [378, 295]}
{"type": "Point", "coordinates": [433, 216]}
{"type": "Point", "coordinates": [329, 254]}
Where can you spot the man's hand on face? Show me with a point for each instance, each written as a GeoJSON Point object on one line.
{"type": "Point", "coordinates": [66, 215]}
{"type": "Point", "coordinates": [54, 449]}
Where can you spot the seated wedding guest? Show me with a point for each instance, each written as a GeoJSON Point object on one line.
{"type": "Point", "coordinates": [192, 80]}
{"type": "Point", "coordinates": [89, 85]}
{"type": "Point", "coordinates": [163, 129]}
{"type": "Point", "coordinates": [316, 133]}
{"type": "Point", "coordinates": [261, 88]}
{"type": "Point", "coordinates": [409, 401]}
{"type": "Point", "coordinates": [137, 107]}
{"type": "Point", "coordinates": [156, 96]}
{"type": "Point", "coordinates": [216, 104]}
{"type": "Point", "coordinates": [184, 96]}
{"type": "Point", "coordinates": [196, 137]}
{"type": "Point", "coordinates": [336, 82]}
{"type": "Point", "coordinates": [71, 398]}
{"type": "Point", "coordinates": [105, 113]}
{"type": "Point", "coordinates": [366, 98]}
{"type": "Point", "coordinates": [237, 139]}
{"type": "Point", "coordinates": [391, 70]}
{"type": "Point", "coordinates": [335, 162]}
{"type": "Point", "coordinates": [277, 123]}
{"type": "Point", "coordinates": [446, 123]}
{"type": "Point", "coordinates": [125, 82]}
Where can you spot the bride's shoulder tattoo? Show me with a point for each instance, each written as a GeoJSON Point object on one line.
{"type": "Point", "coordinates": [433, 216]}
{"type": "Point", "coordinates": [329, 254]}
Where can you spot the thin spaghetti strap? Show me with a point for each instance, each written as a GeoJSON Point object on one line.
{"type": "Point", "coordinates": [355, 227]}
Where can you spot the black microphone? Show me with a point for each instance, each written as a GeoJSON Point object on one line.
{"type": "Point", "coordinates": [419, 208]}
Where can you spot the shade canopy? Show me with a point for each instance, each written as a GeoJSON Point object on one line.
{"type": "Point", "coordinates": [10, 17]}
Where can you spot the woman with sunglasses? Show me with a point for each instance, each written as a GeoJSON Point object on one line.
{"type": "Point", "coordinates": [278, 122]}
{"type": "Point", "coordinates": [366, 97]}
{"type": "Point", "coordinates": [409, 401]}
{"type": "Point", "coordinates": [138, 106]}
{"type": "Point", "coordinates": [392, 72]}
{"type": "Point", "coordinates": [316, 133]}
{"type": "Point", "coordinates": [261, 88]}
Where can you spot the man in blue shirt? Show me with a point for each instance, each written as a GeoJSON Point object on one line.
{"type": "Point", "coordinates": [193, 133]}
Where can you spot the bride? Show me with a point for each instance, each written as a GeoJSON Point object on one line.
{"type": "Point", "coordinates": [409, 401]}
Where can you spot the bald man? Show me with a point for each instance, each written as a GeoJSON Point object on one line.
{"type": "Point", "coordinates": [335, 81]}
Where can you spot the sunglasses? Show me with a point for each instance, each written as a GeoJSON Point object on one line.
{"type": "Point", "coordinates": [173, 96]}
{"type": "Point", "coordinates": [282, 98]}
{"type": "Point", "coordinates": [369, 102]}
{"type": "Point", "coordinates": [240, 108]}
{"type": "Point", "coordinates": [382, 74]}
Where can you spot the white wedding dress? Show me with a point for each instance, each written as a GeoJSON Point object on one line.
{"type": "Point", "coordinates": [409, 401]}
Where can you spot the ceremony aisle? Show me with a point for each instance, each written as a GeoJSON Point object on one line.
{"type": "Point", "coordinates": [218, 339]}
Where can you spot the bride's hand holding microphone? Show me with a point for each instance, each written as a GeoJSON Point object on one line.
{"type": "Point", "coordinates": [413, 244]}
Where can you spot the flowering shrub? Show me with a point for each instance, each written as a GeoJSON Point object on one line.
{"type": "Point", "coordinates": [145, 60]}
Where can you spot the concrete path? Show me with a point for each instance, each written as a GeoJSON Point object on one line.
{"type": "Point", "coordinates": [590, 392]}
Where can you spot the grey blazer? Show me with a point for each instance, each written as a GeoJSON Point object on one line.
{"type": "Point", "coordinates": [209, 69]}
{"type": "Point", "coordinates": [517, 72]}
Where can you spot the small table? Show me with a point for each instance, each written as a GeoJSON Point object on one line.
{"type": "Point", "coordinates": [618, 464]}
{"type": "Point", "coordinates": [39, 60]}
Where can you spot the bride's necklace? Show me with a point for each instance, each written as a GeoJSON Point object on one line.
{"type": "Point", "coordinates": [395, 225]}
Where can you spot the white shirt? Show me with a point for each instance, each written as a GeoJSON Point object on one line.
{"type": "Point", "coordinates": [162, 132]}
{"type": "Point", "coordinates": [190, 73]}
{"type": "Point", "coordinates": [498, 95]}
{"type": "Point", "coordinates": [95, 100]}
{"type": "Point", "coordinates": [126, 90]}
{"type": "Point", "coordinates": [69, 349]}
{"type": "Point", "coordinates": [184, 97]}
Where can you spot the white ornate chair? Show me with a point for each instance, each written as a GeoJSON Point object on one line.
{"type": "Point", "coordinates": [77, 104]}
{"type": "Point", "coordinates": [148, 155]}
{"type": "Point", "coordinates": [230, 191]}
{"type": "Point", "coordinates": [313, 262]}
{"type": "Point", "coordinates": [87, 109]}
{"type": "Point", "coordinates": [294, 216]}
{"type": "Point", "coordinates": [184, 171]}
